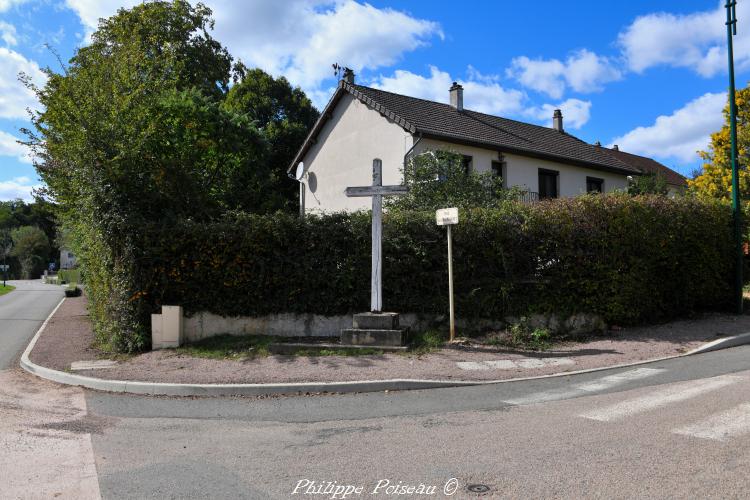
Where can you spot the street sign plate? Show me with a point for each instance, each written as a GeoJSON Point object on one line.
{"type": "Point", "coordinates": [446, 216]}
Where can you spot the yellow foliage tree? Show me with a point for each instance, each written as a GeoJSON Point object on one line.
{"type": "Point", "coordinates": [715, 180]}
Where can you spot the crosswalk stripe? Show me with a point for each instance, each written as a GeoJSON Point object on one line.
{"type": "Point", "coordinates": [660, 398]}
{"type": "Point", "coordinates": [618, 379]}
{"type": "Point", "coordinates": [722, 426]}
{"type": "Point", "coordinates": [601, 384]}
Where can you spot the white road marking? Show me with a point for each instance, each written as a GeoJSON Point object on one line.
{"type": "Point", "coordinates": [472, 365]}
{"type": "Point", "coordinates": [531, 363]}
{"type": "Point", "coordinates": [722, 426]}
{"type": "Point", "coordinates": [509, 364]}
{"type": "Point", "coordinates": [92, 365]}
{"type": "Point", "coordinates": [501, 364]}
{"type": "Point", "coordinates": [660, 398]}
{"type": "Point", "coordinates": [601, 384]}
{"type": "Point", "coordinates": [618, 379]}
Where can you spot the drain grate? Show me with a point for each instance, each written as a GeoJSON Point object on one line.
{"type": "Point", "coordinates": [478, 488]}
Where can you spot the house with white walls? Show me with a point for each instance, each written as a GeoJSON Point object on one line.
{"type": "Point", "coordinates": [362, 123]}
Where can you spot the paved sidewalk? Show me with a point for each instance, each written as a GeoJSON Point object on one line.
{"type": "Point", "coordinates": [68, 339]}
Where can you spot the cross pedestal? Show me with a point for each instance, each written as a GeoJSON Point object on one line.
{"type": "Point", "coordinates": [376, 327]}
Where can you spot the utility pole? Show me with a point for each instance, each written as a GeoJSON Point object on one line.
{"type": "Point", "coordinates": [736, 207]}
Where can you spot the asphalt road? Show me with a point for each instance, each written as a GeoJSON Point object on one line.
{"type": "Point", "coordinates": [671, 429]}
{"type": "Point", "coordinates": [22, 312]}
{"type": "Point", "coordinates": [551, 438]}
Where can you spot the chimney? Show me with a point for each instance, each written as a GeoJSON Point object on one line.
{"type": "Point", "coordinates": [457, 96]}
{"type": "Point", "coordinates": [616, 147]}
{"type": "Point", "coordinates": [557, 120]}
{"type": "Point", "coordinates": [348, 76]}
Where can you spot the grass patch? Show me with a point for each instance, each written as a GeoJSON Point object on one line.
{"type": "Point", "coordinates": [6, 289]}
{"type": "Point", "coordinates": [229, 347]}
{"type": "Point", "coordinates": [426, 342]}
{"type": "Point", "coordinates": [237, 347]}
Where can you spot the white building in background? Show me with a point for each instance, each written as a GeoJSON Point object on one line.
{"type": "Point", "coordinates": [67, 259]}
{"type": "Point", "coordinates": [361, 123]}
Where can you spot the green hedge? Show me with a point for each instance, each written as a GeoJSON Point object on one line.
{"type": "Point", "coordinates": [630, 259]}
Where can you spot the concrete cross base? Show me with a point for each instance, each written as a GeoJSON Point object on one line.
{"type": "Point", "coordinates": [374, 329]}
{"type": "Point", "coordinates": [376, 321]}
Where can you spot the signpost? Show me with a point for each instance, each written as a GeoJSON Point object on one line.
{"type": "Point", "coordinates": [376, 191]}
{"type": "Point", "coordinates": [736, 206]}
{"type": "Point", "coordinates": [448, 217]}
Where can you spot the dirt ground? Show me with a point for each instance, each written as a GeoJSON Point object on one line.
{"type": "Point", "coordinates": [68, 338]}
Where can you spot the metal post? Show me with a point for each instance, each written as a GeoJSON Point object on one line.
{"type": "Point", "coordinates": [736, 207]}
{"type": "Point", "coordinates": [450, 284]}
{"type": "Point", "coordinates": [302, 200]}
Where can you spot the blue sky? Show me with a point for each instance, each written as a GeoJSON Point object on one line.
{"type": "Point", "coordinates": [648, 76]}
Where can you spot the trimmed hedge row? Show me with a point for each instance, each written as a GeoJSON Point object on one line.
{"type": "Point", "coordinates": [630, 259]}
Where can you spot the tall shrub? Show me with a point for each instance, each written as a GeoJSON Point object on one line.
{"type": "Point", "coordinates": [630, 259]}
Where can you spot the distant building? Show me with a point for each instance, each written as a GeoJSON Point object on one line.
{"type": "Point", "coordinates": [67, 259]}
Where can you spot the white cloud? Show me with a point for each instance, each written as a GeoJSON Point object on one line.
{"type": "Point", "coordinates": [7, 4]}
{"type": "Point", "coordinates": [576, 113]}
{"type": "Point", "coordinates": [680, 134]}
{"type": "Point", "coordinates": [20, 187]}
{"type": "Point", "coordinates": [90, 11]}
{"type": "Point", "coordinates": [9, 146]}
{"type": "Point", "coordinates": [696, 41]}
{"type": "Point", "coordinates": [481, 93]}
{"type": "Point", "coordinates": [583, 71]}
{"type": "Point", "coordinates": [8, 34]}
{"type": "Point", "coordinates": [14, 97]}
{"type": "Point", "coordinates": [300, 39]}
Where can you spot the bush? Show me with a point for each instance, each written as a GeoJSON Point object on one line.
{"type": "Point", "coordinates": [629, 259]}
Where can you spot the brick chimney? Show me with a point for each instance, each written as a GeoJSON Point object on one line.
{"type": "Point", "coordinates": [616, 147]}
{"type": "Point", "coordinates": [557, 121]}
{"type": "Point", "coordinates": [457, 96]}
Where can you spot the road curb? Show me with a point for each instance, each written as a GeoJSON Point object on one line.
{"type": "Point", "coordinates": [723, 343]}
{"type": "Point", "coordinates": [170, 389]}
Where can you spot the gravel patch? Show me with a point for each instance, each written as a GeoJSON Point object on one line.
{"type": "Point", "coordinates": [68, 338]}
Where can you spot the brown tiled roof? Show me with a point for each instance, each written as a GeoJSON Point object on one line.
{"type": "Point", "coordinates": [442, 121]}
{"type": "Point", "coordinates": [649, 166]}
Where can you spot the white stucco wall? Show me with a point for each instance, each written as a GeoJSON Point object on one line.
{"type": "Point", "coordinates": [343, 154]}
{"type": "Point", "coordinates": [524, 171]}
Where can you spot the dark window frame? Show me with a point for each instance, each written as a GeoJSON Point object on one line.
{"type": "Point", "coordinates": [498, 170]}
{"type": "Point", "coordinates": [467, 161]}
{"type": "Point", "coordinates": [594, 180]}
{"type": "Point", "coordinates": [548, 173]}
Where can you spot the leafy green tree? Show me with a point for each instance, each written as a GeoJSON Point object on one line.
{"type": "Point", "coordinates": [439, 179]}
{"type": "Point", "coordinates": [132, 132]}
{"type": "Point", "coordinates": [31, 247]}
{"type": "Point", "coordinates": [648, 184]}
{"type": "Point", "coordinates": [285, 115]}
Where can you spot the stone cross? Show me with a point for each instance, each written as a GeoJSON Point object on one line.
{"type": "Point", "coordinates": [377, 191]}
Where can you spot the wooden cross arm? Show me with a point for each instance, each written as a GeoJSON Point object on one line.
{"type": "Point", "coordinates": [361, 191]}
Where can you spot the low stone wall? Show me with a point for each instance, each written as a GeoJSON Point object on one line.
{"type": "Point", "coordinates": [204, 325]}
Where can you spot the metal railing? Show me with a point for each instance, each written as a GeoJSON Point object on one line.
{"type": "Point", "coordinates": [528, 197]}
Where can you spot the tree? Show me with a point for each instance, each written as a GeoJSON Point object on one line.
{"type": "Point", "coordinates": [439, 179]}
{"type": "Point", "coordinates": [285, 115]}
{"type": "Point", "coordinates": [31, 247]}
{"type": "Point", "coordinates": [648, 184]}
{"type": "Point", "coordinates": [715, 180]}
{"type": "Point", "coordinates": [132, 133]}
{"type": "Point", "coordinates": [139, 130]}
